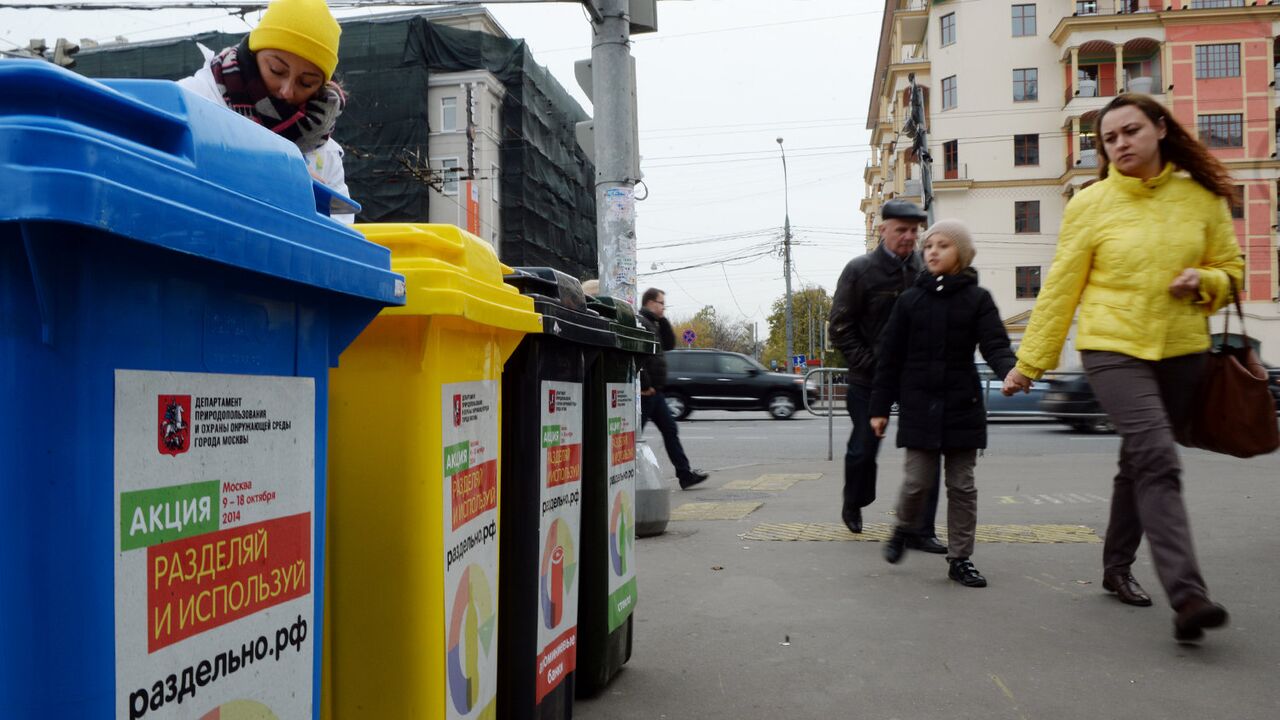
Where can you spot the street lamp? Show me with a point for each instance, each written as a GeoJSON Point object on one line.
{"type": "Point", "coordinates": [786, 254]}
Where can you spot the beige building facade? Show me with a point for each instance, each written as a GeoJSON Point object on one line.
{"type": "Point", "coordinates": [1011, 91]}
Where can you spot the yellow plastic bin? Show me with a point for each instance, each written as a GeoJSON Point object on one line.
{"type": "Point", "coordinates": [413, 486]}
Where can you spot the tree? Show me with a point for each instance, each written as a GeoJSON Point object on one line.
{"type": "Point", "coordinates": [810, 307]}
{"type": "Point", "coordinates": [713, 331]}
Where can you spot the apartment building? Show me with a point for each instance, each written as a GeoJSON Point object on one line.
{"type": "Point", "coordinates": [1012, 91]}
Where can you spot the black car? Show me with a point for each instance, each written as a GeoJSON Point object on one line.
{"type": "Point", "coordinates": [722, 380]}
{"type": "Point", "coordinates": [1070, 400]}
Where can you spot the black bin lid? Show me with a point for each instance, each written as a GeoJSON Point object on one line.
{"type": "Point", "coordinates": [627, 331]}
{"type": "Point", "coordinates": [558, 297]}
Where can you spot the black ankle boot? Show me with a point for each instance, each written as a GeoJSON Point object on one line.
{"type": "Point", "coordinates": [896, 546]}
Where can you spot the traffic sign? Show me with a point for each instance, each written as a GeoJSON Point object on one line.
{"type": "Point", "coordinates": [797, 360]}
{"type": "Point", "coordinates": [689, 336]}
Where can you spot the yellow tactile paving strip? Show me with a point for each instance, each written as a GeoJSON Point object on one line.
{"type": "Point", "coordinates": [771, 483]}
{"type": "Point", "coordinates": [715, 510]}
{"type": "Point", "coordinates": [879, 532]}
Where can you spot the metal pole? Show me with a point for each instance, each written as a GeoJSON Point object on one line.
{"type": "Point", "coordinates": [786, 256]}
{"type": "Point", "coordinates": [613, 82]}
{"type": "Point", "coordinates": [831, 411]}
{"type": "Point", "coordinates": [921, 144]}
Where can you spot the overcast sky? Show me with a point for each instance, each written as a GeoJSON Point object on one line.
{"type": "Point", "coordinates": [717, 84]}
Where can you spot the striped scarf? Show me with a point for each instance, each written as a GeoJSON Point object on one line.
{"type": "Point", "coordinates": [235, 70]}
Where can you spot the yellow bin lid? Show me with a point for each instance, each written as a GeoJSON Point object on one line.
{"type": "Point", "coordinates": [449, 271]}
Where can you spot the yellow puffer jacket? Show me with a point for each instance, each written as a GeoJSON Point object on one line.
{"type": "Point", "coordinates": [1123, 241]}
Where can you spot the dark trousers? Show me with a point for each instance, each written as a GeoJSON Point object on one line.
{"type": "Point", "coordinates": [653, 408]}
{"type": "Point", "coordinates": [1146, 400]}
{"type": "Point", "coordinates": [860, 462]}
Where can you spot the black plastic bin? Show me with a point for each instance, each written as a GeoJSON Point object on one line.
{"type": "Point", "coordinates": [607, 596]}
{"type": "Point", "coordinates": [543, 436]}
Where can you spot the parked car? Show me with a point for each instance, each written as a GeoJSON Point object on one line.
{"type": "Point", "coordinates": [1014, 405]}
{"type": "Point", "coordinates": [722, 380]}
{"type": "Point", "coordinates": [1070, 400]}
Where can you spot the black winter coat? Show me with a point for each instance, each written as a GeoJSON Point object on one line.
{"type": "Point", "coordinates": [864, 297]}
{"type": "Point", "coordinates": [926, 362]}
{"type": "Point", "coordinates": [653, 370]}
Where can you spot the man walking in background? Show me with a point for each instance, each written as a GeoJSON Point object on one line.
{"type": "Point", "coordinates": [653, 377]}
{"type": "Point", "coordinates": [865, 294]}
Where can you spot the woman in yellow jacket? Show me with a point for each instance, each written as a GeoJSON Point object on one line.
{"type": "Point", "coordinates": [1148, 252]}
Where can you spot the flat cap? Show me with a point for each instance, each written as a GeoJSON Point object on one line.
{"type": "Point", "coordinates": [902, 210]}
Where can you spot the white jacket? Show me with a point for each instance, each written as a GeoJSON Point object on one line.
{"type": "Point", "coordinates": [324, 162]}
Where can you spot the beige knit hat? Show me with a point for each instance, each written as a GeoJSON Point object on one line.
{"type": "Point", "coordinates": [959, 234]}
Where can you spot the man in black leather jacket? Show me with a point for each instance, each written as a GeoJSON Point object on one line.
{"type": "Point", "coordinates": [653, 377]}
{"type": "Point", "coordinates": [865, 294]}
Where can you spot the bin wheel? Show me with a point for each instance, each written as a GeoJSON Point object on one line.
{"type": "Point", "coordinates": [678, 406]}
{"type": "Point", "coordinates": [782, 406]}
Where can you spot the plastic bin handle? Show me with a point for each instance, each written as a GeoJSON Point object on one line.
{"type": "Point", "coordinates": [530, 284]}
{"type": "Point", "coordinates": [36, 87]}
{"type": "Point", "coordinates": [329, 202]}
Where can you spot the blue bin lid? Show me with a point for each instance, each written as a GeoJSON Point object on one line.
{"type": "Point", "coordinates": [150, 161]}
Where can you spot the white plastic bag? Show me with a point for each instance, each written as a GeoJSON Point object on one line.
{"type": "Point", "coordinates": [653, 495]}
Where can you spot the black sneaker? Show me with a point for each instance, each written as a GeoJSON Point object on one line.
{"type": "Point", "coordinates": [693, 478]}
{"type": "Point", "coordinates": [963, 572]}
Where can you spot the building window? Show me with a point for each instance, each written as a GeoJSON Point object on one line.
{"type": "Point", "coordinates": [1027, 278]}
{"type": "Point", "coordinates": [1086, 7]}
{"type": "Point", "coordinates": [448, 114]}
{"type": "Point", "coordinates": [1217, 61]}
{"type": "Point", "coordinates": [493, 118]}
{"type": "Point", "coordinates": [1203, 4]}
{"type": "Point", "coordinates": [1026, 216]}
{"type": "Point", "coordinates": [948, 29]}
{"type": "Point", "coordinates": [1025, 84]}
{"type": "Point", "coordinates": [1026, 149]}
{"type": "Point", "coordinates": [449, 171]}
{"type": "Point", "coordinates": [495, 176]}
{"type": "Point", "coordinates": [948, 92]}
{"type": "Point", "coordinates": [1237, 203]}
{"type": "Point", "coordinates": [1221, 130]}
{"type": "Point", "coordinates": [951, 159]}
{"type": "Point", "coordinates": [1024, 20]}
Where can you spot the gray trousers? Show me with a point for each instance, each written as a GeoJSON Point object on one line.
{"type": "Point", "coordinates": [920, 472]}
{"type": "Point", "coordinates": [1146, 400]}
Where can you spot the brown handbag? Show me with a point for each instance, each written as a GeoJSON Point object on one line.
{"type": "Point", "coordinates": [1236, 414]}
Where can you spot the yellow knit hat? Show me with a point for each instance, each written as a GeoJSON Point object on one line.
{"type": "Point", "coordinates": [305, 28]}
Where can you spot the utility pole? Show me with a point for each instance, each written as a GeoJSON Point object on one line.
{"type": "Point", "coordinates": [616, 153]}
{"type": "Point", "coordinates": [919, 134]}
{"type": "Point", "coordinates": [786, 257]}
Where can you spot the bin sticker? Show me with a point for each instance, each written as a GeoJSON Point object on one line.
{"type": "Point", "coordinates": [470, 443]}
{"type": "Point", "coordinates": [621, 417]}
{"type": "Point", "coordinates": [214, 545]}
{"type": "Point", "coordinates": [559, 528]}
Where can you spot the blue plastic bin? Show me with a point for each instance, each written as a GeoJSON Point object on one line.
{"type": "Point", "coordinates": [171, 300]}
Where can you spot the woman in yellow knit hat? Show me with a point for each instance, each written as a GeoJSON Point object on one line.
{"type": "Point", "coordinates": [281, 77]}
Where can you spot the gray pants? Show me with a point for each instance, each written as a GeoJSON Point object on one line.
{"type": "Point", "coordinates": [920, 472]}
{"type": "Point", "coordinates": [1146, 400]}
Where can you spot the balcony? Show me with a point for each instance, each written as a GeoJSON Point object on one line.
{"type": "Point", "coordinates": [1114, 21]}
{"type": "Point", "coordinates": [1137, 63]}
{"type": "Point", "coordinates": [912, 17]}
